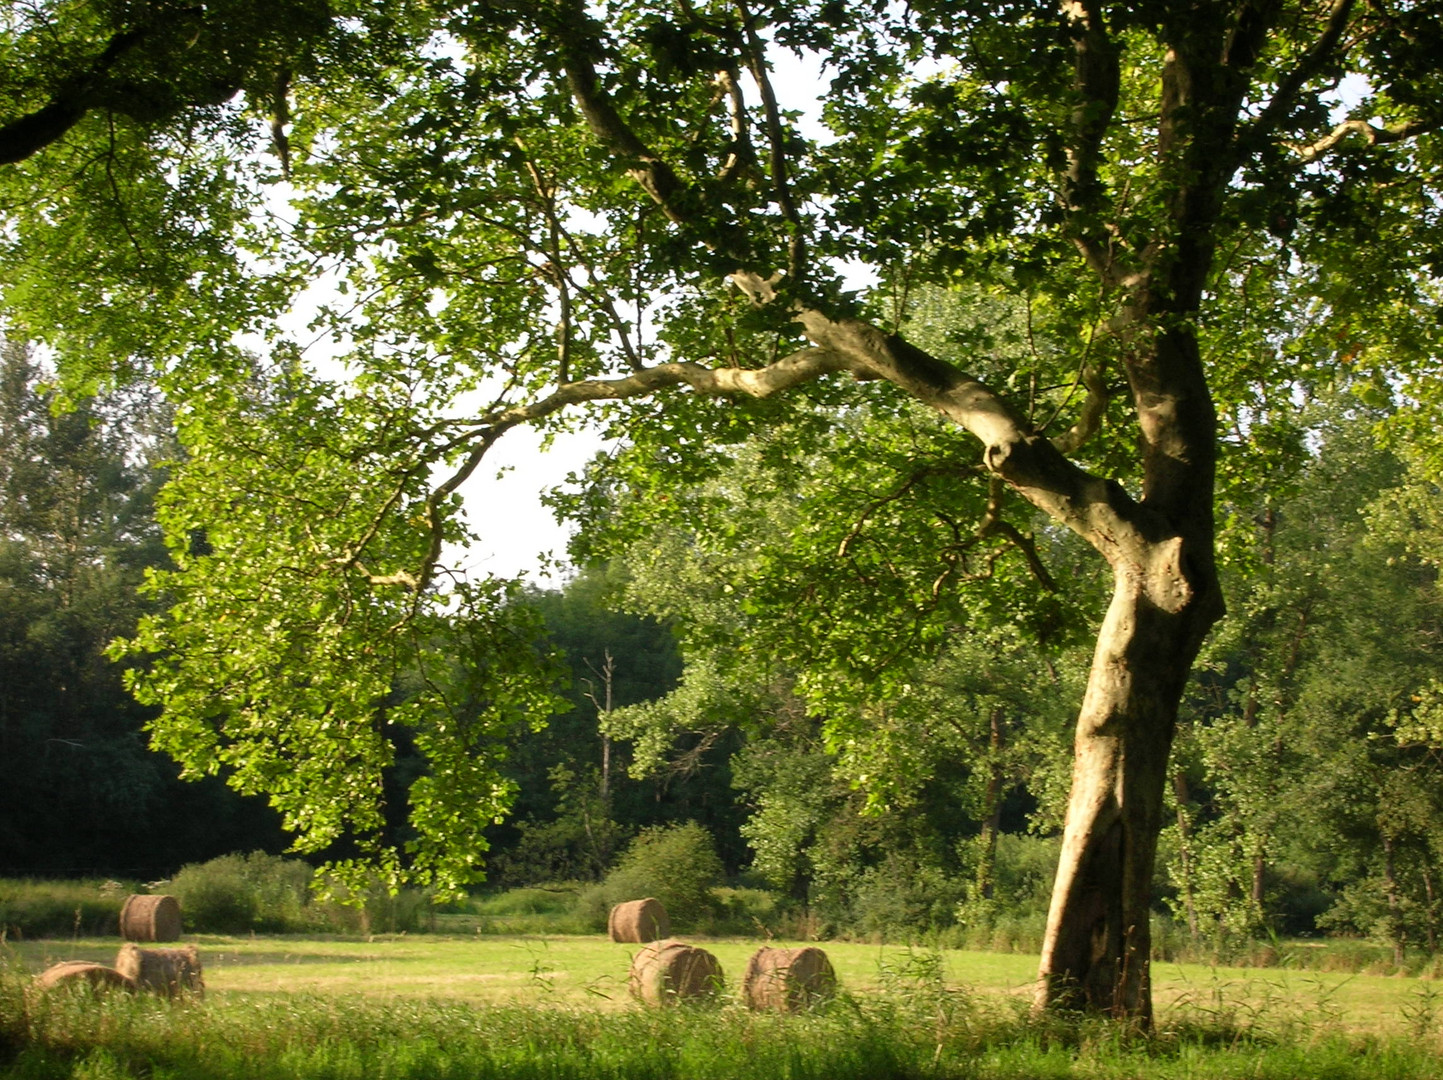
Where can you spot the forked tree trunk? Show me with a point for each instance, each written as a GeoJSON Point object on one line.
{"type": "Point", "coordinates": [1096, 950]}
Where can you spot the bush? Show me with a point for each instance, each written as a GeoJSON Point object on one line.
{"type": "Point", "coordinates": [550, 909]}
{"type": "Point", "coordinates": [755, 913]}
{"type": "Point", "coordinates": [902, 898]}
{"type": "Point", "coordinates": [1015, 918]}
{"type": "Point", "coordinates": [677, 864]}
{"type": "Point", "coordinates": [260, 893]}
{"type": "Point", "coordinates": [378, 911]}
{"type": "Point", "coordinates": [241, 894]}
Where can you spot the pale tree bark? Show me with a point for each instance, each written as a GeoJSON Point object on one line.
{"type": "Point", "coordinates": [1098, 941]}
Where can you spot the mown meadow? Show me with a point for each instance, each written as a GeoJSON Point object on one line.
{"type": "Point", "coordinates": [477, 1006]}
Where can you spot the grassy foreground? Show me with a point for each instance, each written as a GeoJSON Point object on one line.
{"type": "Point", "coordinates": [557, 1008]}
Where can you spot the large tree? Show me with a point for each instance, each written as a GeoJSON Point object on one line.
{"type": "Point", "coordinates": [526, 208]}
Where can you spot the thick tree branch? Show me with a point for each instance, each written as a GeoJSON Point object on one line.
{"type": "Point", "coordinates": [21, 138]}
{"type": "Point", "coordinates": [1123, 530]}
{"type": "Point", "coordinates": [1096, 82]}
{"type": "Point", "coordinates": [92, 88]}
{"type": "Point", "coordinates": [1285, 97]}
{"type": "Point", "coordinates": [646, 167]}
{"type": "Point", "coordinates": [741, 154]}
{"type": "Point", "coordinates": [1372, 134]}
{"type": "Point", "coordinates": [1120, 528]}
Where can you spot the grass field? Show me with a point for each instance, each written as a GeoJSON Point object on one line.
{"type": "Point", "coordinates": [590, 972]}
{"type": "Point", "coordinates": [484, 1007]}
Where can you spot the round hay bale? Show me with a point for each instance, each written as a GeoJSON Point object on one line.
{"type": "Point", "coordinates": [166, 972]}
{"type": "Point", "coordinates": [637, 921]}
{"type": "Point", "coordinates": [150, 918]}
{"type": "Point", "coordinates": [670, 972]}
{"type": "Point", "coordinates": [81, 973]}
{"type": "Point", "coordinates": [788, 980]}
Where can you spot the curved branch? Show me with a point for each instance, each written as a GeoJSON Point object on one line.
{"type": "Point", "coordinates": [741, 155]}
{"type": "Point", "coordinates": [1372, 134]}
{"type": "Point", "coordinates": [1285, 97]}
{"type": "Point", "coordinates": [75, 96]}
{"type": "Point", "coordinates": [793, 370]}
{"type": "Point", "coordinates": [776, 137]}
{"type": "Point", "coordinates": [994, 525]}
{"type": "Point", "coordinates": [1114, 523]}
{"type": "Point", "coordinates": [646, 167]}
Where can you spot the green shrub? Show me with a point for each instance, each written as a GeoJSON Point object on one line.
{"type": "Point", "coordinates": [268, 894]}
{"type": "Point", "coordinates": [374, 911]}
{"type": "Point", "coordinates": [677, 864]}
{"type": "Point", "coordinates": [549, 909]}
{"type": "Point", "coordinates": [241, 894]}
{"type": "Point", "coordinates": [558, 900]}
{"type": "Point", "coordinates": [902, 898]}
{"type": "Point", "coordinates": [753, 912]}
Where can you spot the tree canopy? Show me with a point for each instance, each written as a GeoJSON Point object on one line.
{"type": "Point", "coordinates": [517, 210]}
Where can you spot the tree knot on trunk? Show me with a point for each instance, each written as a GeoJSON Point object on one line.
{"type": "Point", "coordinates": [1165, 581]}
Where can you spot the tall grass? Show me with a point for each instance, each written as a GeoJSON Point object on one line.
{"type": "Point", "coordinates": [914, 1027]}
{"type": "Point", "coordinates": [232, 894]}
{"type": "Point", "coordinates": [61, 909]}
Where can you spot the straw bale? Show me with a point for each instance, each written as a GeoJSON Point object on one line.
{"type": "Point", "coordinates": [75, 973]}
{"type": "Point", "coordinates": [637, 921]}
{"type": "Point", "coordinates": [669, 972]}
{"type": "Point", "coordinates": [150, 918]}
{"type": "Point", "coordinates": [167, 972]}
{"type": "Point", "coordinates": [788, 980]}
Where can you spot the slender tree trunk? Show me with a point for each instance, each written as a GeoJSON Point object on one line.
{"type": "Point", "coordinates": [1396, 929]}
{"type": "Point", "coordinates": [1184, 831]}
{"type": "Point", "coordinates": [605, 769]}
{"type": "Point", "coordinates": [1257, 891]}
{"type": "Point", "coordinates": [992, 811]}
{"type": "Point", "coordinates": [1431, 922]}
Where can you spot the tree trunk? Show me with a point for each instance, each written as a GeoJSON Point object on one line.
{"type": "Point", "coordinates": [1431, 922]}
{"type": "Point", "coordinates": [1258, 892]}
{"type": "Point", "coordinates": [1396, 929]}
{"type": "Point", "coordinates": [991, 810]}
{"type": "Point", "coordinates": [1184, 830]}
{"type": "Point", "coordinates": [1096, 950]}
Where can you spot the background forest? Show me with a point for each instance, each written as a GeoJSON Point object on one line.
{"type": "Point", "coordinates": [1305, 793]}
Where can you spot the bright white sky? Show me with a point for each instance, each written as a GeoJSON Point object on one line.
{"type": "Point", "coordinates": [506, 511]}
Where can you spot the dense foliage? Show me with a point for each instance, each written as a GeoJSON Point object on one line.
{"type": "Point", "coordinates": [80, 791]}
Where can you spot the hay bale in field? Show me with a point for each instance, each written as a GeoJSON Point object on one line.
{"type": "Point", "coordinates": [81, 973]}
{"type": "Point", "coordinates": [637, 921]}
{"type": "Point", "coordinates": [788, 980]}
{"type": "Point", "coordinates": [150, 918]}
{"type": "Point", "coordinates": [670, 972]}
{"type": "Point", "coordinates": [167, 972]}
